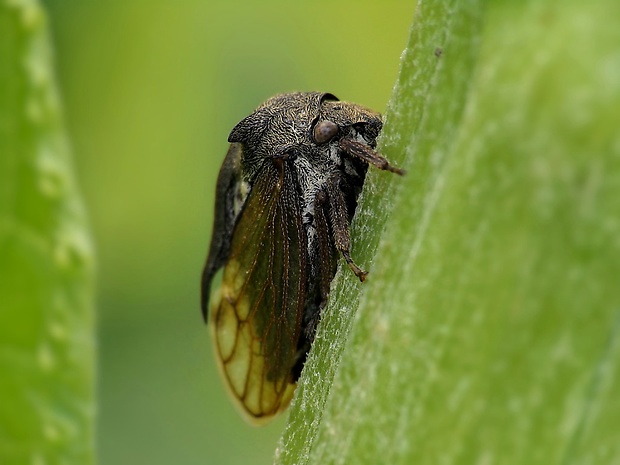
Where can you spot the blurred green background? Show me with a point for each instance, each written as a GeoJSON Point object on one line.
{"type": "Point", "coordinates": [151, 91]}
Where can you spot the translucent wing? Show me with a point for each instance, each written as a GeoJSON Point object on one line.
{"type": "Point", "coordinates": [256, 317]}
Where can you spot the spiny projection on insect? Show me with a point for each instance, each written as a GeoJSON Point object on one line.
{"type": "Point", "coordinates": [286, 194]}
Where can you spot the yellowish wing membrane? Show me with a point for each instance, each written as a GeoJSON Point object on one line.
{"type": "Point", "coordinates": [255, 317]}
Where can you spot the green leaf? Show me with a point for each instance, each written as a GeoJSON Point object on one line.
{"type": "Point", "coordinates": [46, 261]}
{"type": "Point", "coordinates": [489, 328]}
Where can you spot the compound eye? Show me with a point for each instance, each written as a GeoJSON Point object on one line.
{"type": "Point", "coordinates": [324, 131]}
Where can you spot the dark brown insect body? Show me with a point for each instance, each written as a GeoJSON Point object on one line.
{"type": "Point", "coordinates": [286, 194]}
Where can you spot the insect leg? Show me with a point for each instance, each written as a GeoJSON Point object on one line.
{"type": "Point", "coordinates": [340, 225]}
{"type": "Point", "coordinates": [323, 239]}
{"type": "Point", "coordinates": [366, 153]}
{"type": "Point", "coordinates": [325, 266]}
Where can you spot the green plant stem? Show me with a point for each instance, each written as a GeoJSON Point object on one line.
{"type": "Point", "coordinates": [46, 261]}
{"type": "Point", "coordinates": [487, 331]}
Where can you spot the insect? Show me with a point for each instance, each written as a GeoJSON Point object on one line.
{"type": "Point", "coordinates": [286, 194]}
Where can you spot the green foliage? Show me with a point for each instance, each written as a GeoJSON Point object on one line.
{"type": "Point", "coordinates": [489, 328]}
{"type": "Point", "coordinates": [46, 296]}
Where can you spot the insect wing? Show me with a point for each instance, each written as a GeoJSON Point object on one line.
{"type": "Point", "coordinates": [228, 184]}
{"type": "Point", "coordinates": [257, 316]}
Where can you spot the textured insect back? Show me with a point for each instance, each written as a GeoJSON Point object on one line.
{"type": "Point", "coordinates": [285, 197]}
